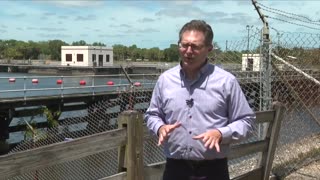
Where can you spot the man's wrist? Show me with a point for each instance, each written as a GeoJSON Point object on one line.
{"type": "Point", "coordinates": [159, 130]}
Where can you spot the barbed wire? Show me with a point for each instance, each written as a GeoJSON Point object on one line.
{"type": "Point", "coordinates": [293, 23]}
{"type": "Point", "coordinates": [284, 12]}
{"type": "Point", "coordinates": [291, 17]}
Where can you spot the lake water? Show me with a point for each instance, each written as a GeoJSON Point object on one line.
{"type": "Point", "coordinates": [47, 85]}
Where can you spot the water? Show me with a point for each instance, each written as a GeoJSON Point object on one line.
{"type": "Point", "coordinates": [47, 85]}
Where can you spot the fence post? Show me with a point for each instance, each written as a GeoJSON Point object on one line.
{"type": "Point", "coordinates": [133, 158]}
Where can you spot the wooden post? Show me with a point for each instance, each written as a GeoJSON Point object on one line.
{"type": "Point", "coordinates": [133, 160]}
{"type": "Point", "coordinates": [273, 135]}
{"type": "Point", "coordinates": [6, 117]}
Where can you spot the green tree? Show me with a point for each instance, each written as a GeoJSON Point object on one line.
{"type": "Point", "coordinates": [55, 49]}
{"type": "Point", "coordinates": [12, 53]}
{"type": "Point", "coordinates": [98, 44]}
{"type": "Point", "coordinates": [79, 43]}
{"type": "Point", "coordinates": [171, 54]}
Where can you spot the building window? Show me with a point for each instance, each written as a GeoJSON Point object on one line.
{"type": "Point", "coordinates": [94, 57]}
{"type": "Point", "coordinates": [79, 57]}
{"type": "Point", "coordinates": [107, 58]}
{"type": "Point", "coordinates": [68, 57]}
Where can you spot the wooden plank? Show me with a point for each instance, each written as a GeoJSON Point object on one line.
{"type": "Point", "coordinates": [26, 161]}
{"type": "Point", "coordinates": [237, 151]}
{"type": "Point", "coordinates": [275, 130]}
{"type": "Point", "coordinates": [255, 174]}
{"type": "Point", "coordinates": [154, 171]}
{"type": "Point", "coordinates": [119, 176]}
{"type": "Point", "coordinates": [265, 116]}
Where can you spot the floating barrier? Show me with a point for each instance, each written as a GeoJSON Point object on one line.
{"type": "Point", "coordinates": [59, 81]}
{"type": "Point", "coordinates": [82, 82]}
{"type": "Point", "coordinates": [137, 84]}
{"type": "Point", "coordinates": [12, 80]}
{"type": "Point", "coordinates": [35, 81]}
{"type": "Point", "coordinates": [110, 83]}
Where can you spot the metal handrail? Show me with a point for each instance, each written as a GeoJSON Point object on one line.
{"type": "Point", "coordinates": [95, 87]}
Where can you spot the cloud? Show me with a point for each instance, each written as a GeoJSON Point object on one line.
{"type": "Point", "coordinates": [121, 25]}
{"type": "Point", "coordinates": [73, 3]}
{"type": "Point", "coordinates": [86, 18]}
{"type": "Point", "coordinates": [19, 15]}
{"type": "Point", "coordinates": [189, 11]}
{"type": "Point", "coordinates": [146, 20]}
{"type": "Point", "coordinates": [53, 35]}
{"type": "Point", "coordinates": [138, 31]}
{"type": "Point", "coordinates": [4, 26]}
{"type": "Point", "coordinates": [31, 28]}
{"type": "Point", "coordinates": [49, 14]}
{"type": "Point", "coordinates": [62, 17]}
{"type": "Point", "coordinates": [52, 29]}
{"type": "Point", "coordinates": [19, 28]}
{"type": "Point", "coordinates": [238, 18]}
{"type": "Point", "coordinates": [148, 30]}
{"type": "Point", "coordinates": [180, 12]}
{"type": "Point", "coordinates": [112, 36]}
{"type": "Point", "coordinates": [3, 30]}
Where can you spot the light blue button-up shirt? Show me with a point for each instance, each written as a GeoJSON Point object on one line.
{"type": "Point", "coordinates": [218, 103]}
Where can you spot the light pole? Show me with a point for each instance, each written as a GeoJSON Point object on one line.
{"type": "Point", "coordinates": [248, 28]}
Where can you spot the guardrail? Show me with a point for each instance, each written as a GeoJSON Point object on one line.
{"type": "Point", "coordinates": [129, 140]}
{"type": "Point", "coordinates": [28, 86]}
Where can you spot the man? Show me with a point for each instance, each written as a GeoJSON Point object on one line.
{"type": "Point", "coordinates": [197, 110]}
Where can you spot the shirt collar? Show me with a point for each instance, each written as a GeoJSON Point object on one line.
{"type": "Point", "coordinates": [203, 70]}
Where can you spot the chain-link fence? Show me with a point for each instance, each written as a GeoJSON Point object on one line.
{"type": "Point", "coordinates": [285, 69]}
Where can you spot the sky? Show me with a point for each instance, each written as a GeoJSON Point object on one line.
{"type": "Point", "coordinates": [148, 23]}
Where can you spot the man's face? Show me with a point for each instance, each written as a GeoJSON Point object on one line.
{"type": "Point", "coordinates": [192, 50]}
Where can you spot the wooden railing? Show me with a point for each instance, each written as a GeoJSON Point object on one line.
{"type": "Point", "coordinates": [129, 140]}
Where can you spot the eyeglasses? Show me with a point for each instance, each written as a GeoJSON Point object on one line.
{"type": "Point", "coordinates": [184, 46]}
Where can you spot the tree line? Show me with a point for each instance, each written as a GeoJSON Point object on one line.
{"type": "Point", "coordinates": [51, 50]}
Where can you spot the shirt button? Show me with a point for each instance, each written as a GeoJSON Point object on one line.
{"type": "Point", "coordinates": [190, 117]}
{"type": "Point", "coordinates": [190, 149]}
{"type": "Point", "coordinates": [190, 132]}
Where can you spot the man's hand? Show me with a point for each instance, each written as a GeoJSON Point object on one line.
{"type": "Point", "coordinates": [164, 131]}
{"type": "Point", "coordinates": [210, 139]}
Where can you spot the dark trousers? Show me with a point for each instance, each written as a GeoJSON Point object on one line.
{"type": "Point", "coordinates": [178, 169]}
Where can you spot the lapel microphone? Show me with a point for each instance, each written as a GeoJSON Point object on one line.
{"type": "Point", "coordinates": [189, 102]}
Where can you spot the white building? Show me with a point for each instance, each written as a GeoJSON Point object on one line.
{"type": "Point", "coordinates": [86, 56]}
{"type": "Point", "coordinates": [251, 62]}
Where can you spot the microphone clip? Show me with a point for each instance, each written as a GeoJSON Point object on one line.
{"type": "Point", "coordinates": [189, 102]}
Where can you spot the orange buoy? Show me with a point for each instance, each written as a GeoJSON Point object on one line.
{"type": "Point", "coordinates": [110, 83]}
{"type": "Point", "coordinates": [137, 84]}
{"type": "Point", "coordinates": [35, 81]}
{"type": "Point", "coordinates": [59, 81]}
{"type": "Point", "coordinates": [82, 82]}
{"type": "Point", "coordinates": [12, 80]}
